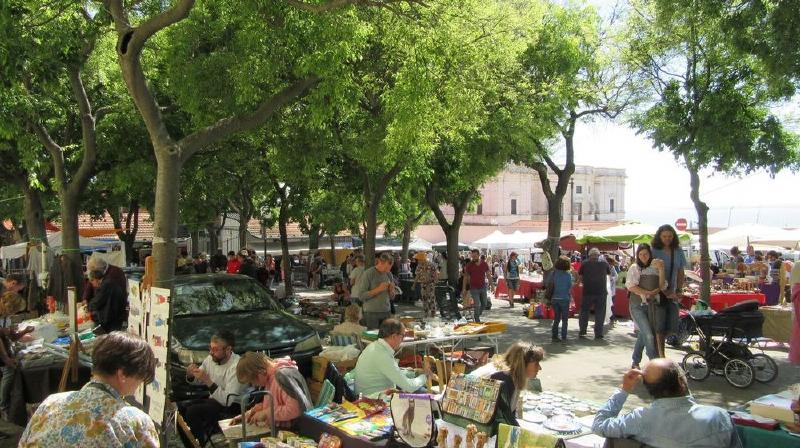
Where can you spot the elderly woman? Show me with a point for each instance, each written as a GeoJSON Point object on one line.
{"type": "Point", "coordinates": [97, 415]}
{"type": "Point", "coordinates": [519, 364]}
{"type": "Point", "coordinates": [350, 326]}
{"type": "Point", "coordinates": [427, 275]}
{"type": "Point", "coordinates": [282, 379]}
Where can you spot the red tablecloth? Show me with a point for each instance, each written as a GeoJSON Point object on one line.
{"type": "Point", "coordinates": [527, 288]}
{"type": "Point", "coordinates": [720, 301]}
{"type": "Point", "coordinates": [619, 306]}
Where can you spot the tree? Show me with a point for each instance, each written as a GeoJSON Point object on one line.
{"type": "Point", "coordinates": [56, 83]}
{"type": "Point", "coordinates": [404, 209]}
{"type": "Point", "coordinates": [710, 105]}
{"type": "Point", "coordinates": [573, 77]}
{"type": "Point", "coordinates": [766, 29]}
{"type": "Point", "coordinates": [288, 68]}
{"type": "Point", "coordinates": [30, 184]}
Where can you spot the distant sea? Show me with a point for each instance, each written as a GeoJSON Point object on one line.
{"type": "Point", "coordinates": [787, 217]}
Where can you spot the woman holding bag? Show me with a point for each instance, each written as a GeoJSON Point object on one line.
{"type": "Point", "coordinates": [644, 281]}
{"type": "Point", "coordinates": [666, 247]}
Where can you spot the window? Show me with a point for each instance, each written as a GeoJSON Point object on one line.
{"type": "Point", "coordinates": [513, 206]}
{"type": "Point", "coordinates": [578, 189]}
{"type": "Point", "coordinates": [578, 210]}
{"type": "Point", "coordinates": [479, 211]}
{"type": "Point", "coordinates": [611, 205]}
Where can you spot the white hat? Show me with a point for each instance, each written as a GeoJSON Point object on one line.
{"type": "Point", "coordinates": [594, 252]}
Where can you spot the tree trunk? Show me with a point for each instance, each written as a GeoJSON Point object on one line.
{"type": "Point", "coordinates": [213, 238]}
{"type": "Point", "coordinates": [406, 240]}
{"type": "Point", "coordinates": [555, 218]}
{"type": "Point", "coordinates": [243, 220]}
{"type": "Point", "coordinates": [283, 219]}
{"type": "Point", "coordinates": [702, 227]}
{"type": "Point", "coordinates": [333, 249]}
{"type": "Point", "coordinates": [452, 254]}
{"type": "Point", "coordinates": [166, 219]}
{"type": "Point", "coordinates": [34, 214]}
{"type": "Point", "coordinates": [195, 235]}
{"type": "Point", "coordinates": [70, 240]}
{"type": "Point", "coordinates": [313, 237]}
{"type": "Point", "coordinates": [369, 233]}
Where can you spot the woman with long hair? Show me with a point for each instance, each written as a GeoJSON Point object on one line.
{"type": "Point", "coordinates": [512, 277]}
{"type": "Point", "coordinates": [286, 384]}
{"type": "Point", "coordinates": [644, 281]}
{"type": "Point", "coordinates": [520, 363]}
{"type": "Point", "coordinates": [666, 247]}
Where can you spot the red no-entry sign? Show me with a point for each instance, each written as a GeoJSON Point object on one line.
{"type": "Point", "coordinates": [681, 224]}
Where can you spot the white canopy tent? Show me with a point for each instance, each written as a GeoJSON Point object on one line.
{"type": "Point", "coordinates": [498, 240]}
{"type": "Point", "coordinates": [416, 244]}
{"type": "Point", "coordinates": [783, 238]}
{"type": "Point", "coordinates": [55, 242]}
{"type": "Point", "coordinates": [745, 234]}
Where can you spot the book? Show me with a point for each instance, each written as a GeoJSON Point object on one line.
{"type": "Point", "coordinates": [234, 431]}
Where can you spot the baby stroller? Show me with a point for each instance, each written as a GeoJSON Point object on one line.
{"type": "Point", "coordinates": [724, 347]}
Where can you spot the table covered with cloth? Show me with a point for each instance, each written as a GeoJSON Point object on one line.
{"type": "Point", "coordinates": [777, 322]}
{"type": "Point", "coordinates": [752, 437]}
{"type": "Point", "coordinates": [527, 287]}
{"type": "Point", "coordinates": [721, 300]}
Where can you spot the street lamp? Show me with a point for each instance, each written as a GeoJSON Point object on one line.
{"type": "Point", "coordinates": [571, 204]}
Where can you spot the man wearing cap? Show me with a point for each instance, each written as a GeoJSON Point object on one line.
{"type": "Point", "coordinates": [426, 276]}
{"type": "Point", "coordinates": [593, 274]}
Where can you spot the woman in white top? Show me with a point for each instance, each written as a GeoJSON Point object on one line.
{"type": "Point", "coordinates": [644, 280]}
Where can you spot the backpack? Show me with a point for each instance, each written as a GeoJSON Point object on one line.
{"type": "Point", "coordinates": [414, 424]}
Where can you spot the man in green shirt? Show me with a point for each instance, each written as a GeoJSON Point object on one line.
{"type": "Point", "coordinates": [377, 371]}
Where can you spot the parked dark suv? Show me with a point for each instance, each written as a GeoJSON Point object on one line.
{"type": "Point", "coordinates": [206, 303]}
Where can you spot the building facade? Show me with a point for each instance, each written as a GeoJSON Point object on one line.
{"type": "Point", "coordinates": [598, 194]}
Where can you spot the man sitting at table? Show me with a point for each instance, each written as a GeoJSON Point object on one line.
{"type": "Point", "coordinates": [377, 370]}
{"type": "Point", "coordinates": [673, 420]}
{"type": "Point", "coordinates": [218, 373]}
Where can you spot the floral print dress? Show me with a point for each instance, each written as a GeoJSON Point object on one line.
{"type": "Point", "coordinates": [93, 417]}
{"type": "Point", "coordinates": [426, 277]}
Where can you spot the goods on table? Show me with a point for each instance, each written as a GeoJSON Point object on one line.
{"type": "Point", "coordinates": [539, 407]}
{"type": "Point", "coordinates": [369, 419]}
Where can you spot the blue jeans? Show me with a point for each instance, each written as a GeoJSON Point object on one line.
{"type": "Point", "coordinates": [599, 302]}
{"type": "Point", "coordinates": [646, 341]}
{"type": "Point", "coordinates": [561, 308]}
{"type": "Point", "coordinates": [481, 301]}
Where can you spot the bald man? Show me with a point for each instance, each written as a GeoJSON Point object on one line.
{"type": "Point", "coordinates": [674, 420]}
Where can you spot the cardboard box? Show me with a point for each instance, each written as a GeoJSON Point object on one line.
{"type": "Point", "coordinates": [777, 406]}
{"type": "Point", "coordinates": [319, 366]}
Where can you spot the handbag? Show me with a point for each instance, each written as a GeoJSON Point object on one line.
{"type": "Point", "coordinates": [414, 425]}
{"type": "Point", "coordinates": [471, 400]}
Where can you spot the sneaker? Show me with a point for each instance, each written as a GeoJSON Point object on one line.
{"type": "Point", "coordinates": [583, 336]}
{"type": "Point", "coordinates": [555, 339]}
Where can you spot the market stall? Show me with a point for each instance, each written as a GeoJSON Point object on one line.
{"type": "Point", "coordinates": [724, 299]}
{"type": "Point", "coordinates": [527, 287]}
{"type": "Point", "coordinates": [769, 421]}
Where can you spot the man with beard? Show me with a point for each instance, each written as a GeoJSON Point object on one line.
{"type": "Point", "coordinates": [218, 373]}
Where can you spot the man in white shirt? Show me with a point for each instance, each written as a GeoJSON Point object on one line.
{"type": "Point", "coordinates": [218, 373]}
{"type": "Point", "coordinates": [377, 370]}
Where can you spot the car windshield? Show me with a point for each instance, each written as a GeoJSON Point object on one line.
{"type": "Point", "coordinates": [221, 296]}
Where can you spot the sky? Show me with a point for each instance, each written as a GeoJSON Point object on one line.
{"type": "Point", "coordinates": [657, 186]}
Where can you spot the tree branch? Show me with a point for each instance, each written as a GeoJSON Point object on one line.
{"type": "Point", "coordinates": [433, 203]}
{"type": "Point", "coordinates": [330, 5]}
{"type": "Point", "coordinates": [86, 168]}
{"type": "Point", "coordinates": [101, 112]}
{"type": "Point", "coordinates": [227, 126]}
{"type": "Point", "coordinates": [56, 153]}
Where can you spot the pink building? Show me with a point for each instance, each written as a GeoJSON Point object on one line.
{"type": "Point", "coordinates": [516, 195]}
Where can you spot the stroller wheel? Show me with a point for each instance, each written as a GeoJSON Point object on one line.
{"type": "Point", "coordinates": [764, 368]}
{"type": "Point", "coordinates": [738, 373]}
{"type": "Point", "coordinates": [695, 365]}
